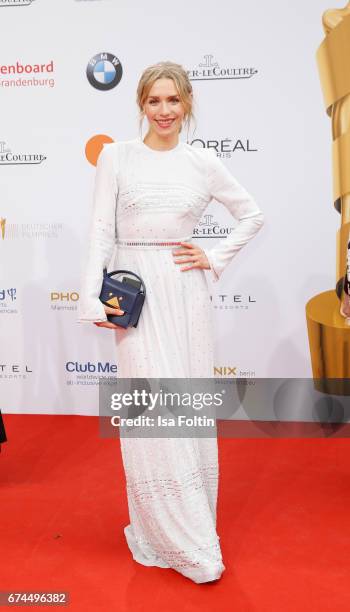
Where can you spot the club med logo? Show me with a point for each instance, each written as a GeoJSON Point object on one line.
{"type": "Point", "coordinates": [75, 366]}
{"type": "Point", "coordinates": [209, 70]}
{"type": "Point", "coordinates": [15, 2]}
{"type": "Point", "coordinates": [224, 147]}
{"type": "Point", "coordinates": [104, 71]}
{"type": "Point", "coordinates": [7, 158]}
{"type": "Point", "coordinates": [207, 228]}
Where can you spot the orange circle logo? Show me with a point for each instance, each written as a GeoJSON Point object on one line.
{"type": "Point", "coordinates": [94, 147]}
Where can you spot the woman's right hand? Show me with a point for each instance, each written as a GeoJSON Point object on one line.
{"type": "Point", "coordinates": [112, 311]}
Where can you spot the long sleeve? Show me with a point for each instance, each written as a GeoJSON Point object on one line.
{"type": "Point", "coordinates": [101, 238]}
{"type": "Point", "coordinates": [224, 188]}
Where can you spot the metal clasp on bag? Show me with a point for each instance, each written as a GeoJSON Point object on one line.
{"type": "Point", "coordinates": [114, 301]}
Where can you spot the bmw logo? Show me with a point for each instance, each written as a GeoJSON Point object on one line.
{"type": "Point", "coordinates": [104, 71]}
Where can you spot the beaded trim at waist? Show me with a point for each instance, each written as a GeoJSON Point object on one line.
{"type": "Point", "coordinates": [152, 242]}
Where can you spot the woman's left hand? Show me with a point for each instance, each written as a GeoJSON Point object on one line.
{"type": "Point", "coordinates": [194, 254]}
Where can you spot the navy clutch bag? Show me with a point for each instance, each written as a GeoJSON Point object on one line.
{"type": "Point", "coordinates": [127, 294]}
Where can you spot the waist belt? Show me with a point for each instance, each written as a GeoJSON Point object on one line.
{"type": "Point", "coordinates": [152, 243]}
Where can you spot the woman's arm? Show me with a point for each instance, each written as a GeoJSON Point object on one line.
{"type": "Point", "coordinates": [224, 188]}
{"type": "Point", "coordinates": [101, 238]}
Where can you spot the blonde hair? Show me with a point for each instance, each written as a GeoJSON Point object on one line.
{"type": "Point", "coordinates": [166, 70]}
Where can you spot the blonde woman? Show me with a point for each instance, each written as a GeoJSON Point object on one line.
{"type": "Point", "coordinates": [149, 195]}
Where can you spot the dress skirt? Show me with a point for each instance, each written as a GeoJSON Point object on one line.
{"type": "Point", "coordinates": [172, 483]}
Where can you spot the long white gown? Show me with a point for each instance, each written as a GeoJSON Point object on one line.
{"type": "Point", "coordinates": [144, 195]}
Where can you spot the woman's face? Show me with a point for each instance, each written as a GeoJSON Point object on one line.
{"type": "Point", "coordinates": [163, 108]}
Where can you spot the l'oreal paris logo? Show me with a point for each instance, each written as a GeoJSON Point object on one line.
{"type": "Point", "coordinates": [209, 70]}
{"type": "Point", "coordinates": [224, 147]}
{"type": "Point", "coordinates": [7, 158]}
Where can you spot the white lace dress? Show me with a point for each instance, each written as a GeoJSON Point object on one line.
{"type": "Point", "coordinates": [143, 195]}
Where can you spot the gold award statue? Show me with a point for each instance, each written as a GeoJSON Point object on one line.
{"type": "Point", "coordinates": [2, 227]}
{"type": "Point", "coordinates": [328, 314]}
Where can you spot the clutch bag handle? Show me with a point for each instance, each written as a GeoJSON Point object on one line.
{"type": "Point", "coordinates": [105, 273]}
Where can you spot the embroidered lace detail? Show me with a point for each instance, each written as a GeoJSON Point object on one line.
{"type": "Point", "coordinates": [144, 491]}
{"type": "Point", "coordinates": [208, 555]}
{"type": "Point", "coordinates": [161, 197]}
{"type": "Point", "coordinates": [103, 230]}
{"type": "Point", "coordinates": [148, 498]}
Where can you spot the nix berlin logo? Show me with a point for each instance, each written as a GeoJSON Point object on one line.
{"type": "Point", "coordinates": [104, 71]}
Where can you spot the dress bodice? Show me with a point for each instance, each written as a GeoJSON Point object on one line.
{"type": "Point", "coordinates": [141, 193]}
{"type": "Point", "coordinates": [160, 194]}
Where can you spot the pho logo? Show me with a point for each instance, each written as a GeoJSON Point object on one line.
{"type": "Point", "coordinates": [104, 71]}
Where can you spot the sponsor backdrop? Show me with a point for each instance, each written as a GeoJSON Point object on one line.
{"type": "Point", "coordinates": [68, 77]}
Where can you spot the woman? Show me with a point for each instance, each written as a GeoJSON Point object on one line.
{"type": "Point", "coordinates": [149, 194]}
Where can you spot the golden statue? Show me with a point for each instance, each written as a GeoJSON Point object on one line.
{"type": "Point", "coordinates": [332, 17]}
{"type": "Point", "coordinates": [328, 314]}
{"type": "Point", "coordinates": [2, 226]}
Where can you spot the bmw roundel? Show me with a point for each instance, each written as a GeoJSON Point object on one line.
{"type": "Point", "coordinates": [104, 71]}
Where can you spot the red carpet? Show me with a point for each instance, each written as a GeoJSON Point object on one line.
{"type": "Point", "coordinates": [283, 518]}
